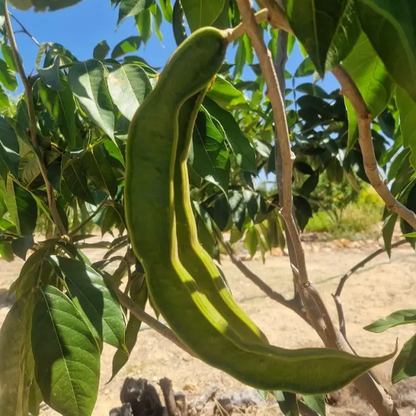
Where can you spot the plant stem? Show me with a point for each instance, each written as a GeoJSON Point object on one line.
{"type": "Point", "coordinates": [89, 218]}
{"type": "Point", "coordinates": [32, 123]}
{"type": "Point", "coordinates": [315, 307]}
{"type": "Point", "coordinates": [350, 90]}
{"type": "Point", "coordinates": [24, 30]}
{"type": "Point", "coordinates": [343, 280]}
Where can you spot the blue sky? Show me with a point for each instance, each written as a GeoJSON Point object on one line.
{"type": "Point", "coordinates": [81, 27]}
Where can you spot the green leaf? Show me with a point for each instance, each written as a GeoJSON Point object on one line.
{"type": "Point", "coordinates": [131, 8]}
{"type": "Point", "coordinates": [50, 75]}
{"type": "Point", "coordinates": [27, 210]}
{"type": "Point", "coordinates": [251, 241]}
{"type": "Point", "coordinates": [96, 299]}
{"type": "Point", "coordinates": [61, 107]}
{"type": "Point", "coordinates": [139, 294]}
{"type": "Point", "coordinates": [87, 81]}
{"type": "Point", "coordinates": [156, 12]}
{"type": "Point", "coordinates": [316, 403]}
{"type": "Point", "coordinates": [43, 5]}
{"type": "Point", "coordinates": [144, 25]}
{"type": "Point", "coordinates": [15, 371]}
{"type": "Point", "coordinates": [76, 180]}
{"type": "Point", "coordinates": [129, 86]}
{"type": "Point", "coordinates": [9, 149]}
{"type": "Point", "coordinates": [4, 99]}
{"type": "Point", "coordinates": [407, 111]}
{"type": "Point", "coordinates": [7, 53]}
{"type": "Point", "coordinates": [7, 76]}
{"type": "Point", "coordinates": [225, 94]}
{"type": "Point", "coordinates": [201, 13]}
{"type": "Point", "coordinates": [347, 33]}
{"type": "Point", "coordinates": [6, 251]}
{"type": "Point", "coordinates": [98, 169]}
{"type": "Point", "coordinates": [402, 317]}
{"type": "Point", "coordinates": [372, 80]}
{"type": "Point", "coordinates": [178, 24]}
{"type": "Point", "coordinates": [68, 364]}
{"type": "Point", "coordinates": [3, 11]}
{"type": "Point", "coordinates": [101, 50]}
{"type": "Point", "coordinates": [210, 155]}
{"type": "Point", "coordinates": [315, 25]}
{"type": "Point", "coordinates": [21, 245]}
{"type": "Point", "coordinates": [287, 402]}
{"type": "Point", "coordinates": [305, 68]}
{"type": "Point", "coordinates": [242, 149]}
{"type": "Point", "coordinates": [166, 6]}
{"type": "Point", "coordinates": [240, 58]}
{"type": "Point", "coordinates": [391, 28]}
{"type": "Point", "coordinates": [131, 44]}
{"type": "Point", "coordinates": [405, 364]}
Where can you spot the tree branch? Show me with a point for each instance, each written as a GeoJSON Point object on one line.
{"type": "Point", "coordinates": [341, 284]}
{"type": "Point", "coordinates": [293, 304]}
{"type": "Point", "coordinates": [311, 299]}
{"type": "Point", "coordinates": [141, 315]}
{"type": "Point", "coordinates": [32, 122]}
{"type": "Point", "coordinates": [24, 30]}
{"type": "Point", "coordinates": [350, 90]}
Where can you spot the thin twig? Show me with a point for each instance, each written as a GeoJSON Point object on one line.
{"type": "Point", "coordinates": [292, 304]}
{"type": "Point", "coordinates": [167, 390]}
{"type": "Point", "coordinates": [350, 90]}
{"type": "Point", "coordinates": [89, 218]}
{"type": "Point", "coordinates": [32, 122]}
{"type": "Point", "coordinates": [153, 323]}
{"type": "Point", "coordinates": [24, 30]}
{"type": "Point", "coordinates": [234, 33]}
{"type": "Point", "coordinates": [343, 280]}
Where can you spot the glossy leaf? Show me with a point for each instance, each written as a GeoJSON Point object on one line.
{"type": "Point", "coordinates": [402, 317]}
{"type": "Point", "coordinates": [201, 13]}
{"type": "Point", "coordinates": [144, 24]}
{"type": "Point", "coordinates": [9, 149]}
{"type": "Point", "coordinates": [87, 81]}
{"type": "Point", "coordinates": [14, 351]}
{"type": "Point", "coordinates": [7, 76]}
{"type": "Point", "coordinates": [287, 402]}
{"type": "Point", "coordinates": [129, 86]}
{"type": "Point", "coordinates": [98, 170]}
{"type": "Point", "coordinates": [97, 301]}
{"type": "Point", "coordinates": [131, 44]}
{"type": "Point", "coordinates": [7, 53]}
{"type": "Point", "coordinates": [50, 75]}
{"type": "Point", "coordinates": [4, 99]}
{"type": "Point", "coordinates": [210, 155]}
{"type": "Point", "coordinates": [76, 180]}
{"type": "Point", "coordinates": [391, 27]}
{"type": "Point", "coordinates": [305, 68]}
{"type": "Point", "coordinates": [372, 80]}
{"type": "Point", "coordinates": [316, 403]}
{"type": "Point", "coordinates": [68, 364]}
{"type": "Point", "coordinates": [166, 6]}
{"type": "Point", "coordinates": [61, 106]}
{"type": "Point", "coordinates": [405, 364]}
{"type": "Point", "coordinates": [101, 50]}
{"type": "Point", "coordinates": [225, 94]}
{"type": "Point", "coordinates": [407, 110]}
{"type": "Point", "coordinates": [240, 145]}
{"type": "Point", "coordinates": [346, 35]}
{"type": "Point", "coordinates": [178, 24]}
{"type": "Point", "coordinates": [315, 25]}
{"type": "Point", "coordinates": [131, 8]}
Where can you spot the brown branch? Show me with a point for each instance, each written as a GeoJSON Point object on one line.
{"type": "Point", "coordinates": [32, 122]}
{"type": "Point", "coordinates": [292, 304]}
{"type": "Point", "coordinates": [311, 299]}
{"type": "Point", "coordinates": [350, 90]}
{"type": "Point", "coordinates": [343, 280]}
{"type": "Point", "coordinates": [141, 315]}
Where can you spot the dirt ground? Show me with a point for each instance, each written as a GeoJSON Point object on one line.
{"type": "Point", "coordinates": [376, 290]}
